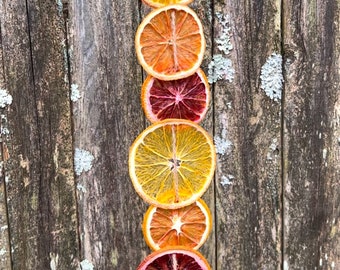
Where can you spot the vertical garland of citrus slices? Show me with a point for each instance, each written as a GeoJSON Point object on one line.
{"type": "Point", "coordinates": [172, 162]}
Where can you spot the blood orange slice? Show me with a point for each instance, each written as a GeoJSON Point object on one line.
{"type": "Point", "coordinates": [187, 226]}
{"type": "Point", "coordinates": [175, 258]}
{"type": "Point", "coordinates": [186, 98]}
{"type": "Point", "coordinates": [170, 42]}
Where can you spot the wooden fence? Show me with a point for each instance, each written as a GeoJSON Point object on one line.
{"type": "Point", "coordinates": [70, 109]}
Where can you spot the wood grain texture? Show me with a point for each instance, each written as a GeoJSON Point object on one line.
{"type": "Point", "coordinates": [5, 248]}
{"type": "Point", "coordinates": [107, 118]}
{"type": "Point", "coordinates": [204, 10]}
{"type": "Point", "coordinates": [311, 117]}
{"type": "Point", "coordinates": [247, 136]}
{"type": "Point", "coordinates": [275, 197]}
{"type": "Point", "coordinates": [38, 150]}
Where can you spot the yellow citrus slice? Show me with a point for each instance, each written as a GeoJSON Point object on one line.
{"type": "Point", "coordinates": [171, 163]}
{"type": "Point", "coordinates": [162, 3]}
{"type": "Point", "coordinates": [175, 258]}
{"type": "Point", "coordinates": [170, 42]}
{"type": "Point", "coordinates": [186, 98]}
{"type": "Point", "coordinates": [186, 226]}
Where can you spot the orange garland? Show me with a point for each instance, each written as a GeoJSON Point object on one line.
{"type": "Point", "coordinates": [170, 46]}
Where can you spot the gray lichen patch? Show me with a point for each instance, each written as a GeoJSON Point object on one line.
{"type": "Point", "coordinates": [222, 144]}
{"type": "Point", "coordinates": [273, 149]}
{"type": "Point", "coordinates": [60, 6]}
{"type": "Point", "coordinates": [81, 188]}
{"type": "Point", "coordinates": [4, 129]}
{"type": "Point", "coordinates": [224, 39]}
{"type": "Point", "coordinates": [86, 265]}
{"type": "Point", "coordinates": [5, 98]}
{"type": "Point", "coordinates": [82, 161]}
{"type": "Point", "coordinates": [3, 251]}
{"type": "Point", "coordinates": [272, 77]}
{"type": "Point", "coordinates": [227, 180]}
{"type": "Point", "coordinates": [221, 67]}
{"type": "Point", "coordinates": [75, 94]}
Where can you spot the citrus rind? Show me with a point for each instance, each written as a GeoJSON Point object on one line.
{"type": "Point", "coordinates": [169, 257]}
{"type": "Point", "coordinates": [194, 174]}
{"type": "Point", "coordinates": [195, 107]}
{"type": "Point", "coordinates": [158, 65]}
{"type": "Point", "coordinates": [182, 219]}
{"type": "Point", "coordinates": [159, 4]}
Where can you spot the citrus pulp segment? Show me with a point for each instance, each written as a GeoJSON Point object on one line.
{"type": "Point", "coordinates": [172, 163]}
{"type": "Point", "coordinates": [186, 226]}
{"type": "Point", "coordinates": [162, 3]}
{"type": "Point", "coordinates": [170, 42]}
{"type": "Point", "coordinates": [186, 98]}
{"type": "Point", "coordinates": [175, 258]}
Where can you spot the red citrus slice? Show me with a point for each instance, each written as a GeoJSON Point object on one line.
{"type": "Point", "coordinates": [175, 258]}
{"type": "Point", "coordinates": [186, 98]}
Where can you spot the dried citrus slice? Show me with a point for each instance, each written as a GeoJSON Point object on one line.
{"type": "Point", "coordinates": [186, 226]}
{"type": "Point", "coordinates": [175, 258]}
{"type": "Point", "coordinates": [170, 43]}
{"type": "Point", "coordinates": [162, 3]}
{"type": "Point", "coordinates": [186, 98]}
{"type": "Point", "coordinates": [171, 163]}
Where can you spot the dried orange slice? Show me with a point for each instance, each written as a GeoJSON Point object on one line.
{"type": "Point", "coordinates": [175, 258]}
{"type": "Point", "coordinates": [170, 43]}
{"type": "Point", "coordinates": [186, 98]}
{"type": "Point", "coordinates": [186, 226]}
{"type": "Point", "coordinates": [171, 163]}
{"type": "Point", "coordinates": [162, 3]}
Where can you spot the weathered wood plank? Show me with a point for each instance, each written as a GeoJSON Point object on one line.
{"type": "Point", "coordinates": [107, 118]}
{"type": "Point", "coordinates": [204, 11]}
{"type": "Point", "coordinates": [38, 150]}
{"type": "Point", "coordinates": [5, 249]}
{"type": "Point", "coordinates": [312, 128]}
{"type": "Point", "coordinates": [247, 136]}
{"type": "Point", "coordinates": [16, 43]}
